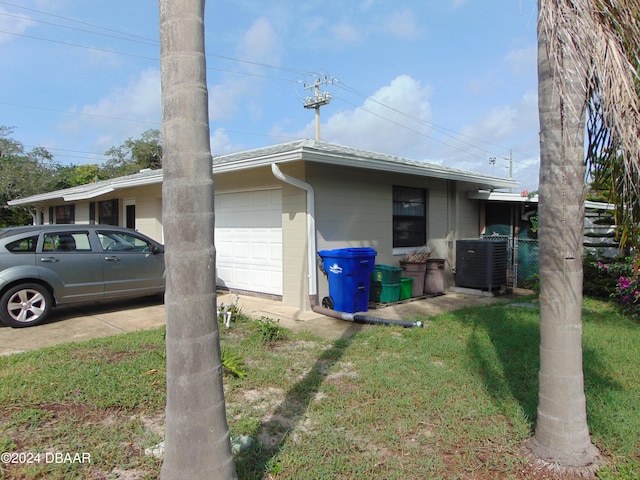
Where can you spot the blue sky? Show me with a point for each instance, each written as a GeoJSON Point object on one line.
{"type": "Point", "coordinates": [451, 82]}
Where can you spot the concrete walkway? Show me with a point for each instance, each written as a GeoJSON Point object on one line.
{"type": "Point", "coordinates": [70, 324]}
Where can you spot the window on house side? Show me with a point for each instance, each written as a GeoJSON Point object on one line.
{"type": "Point", "coordinates": [65, 214]}
{"type": "Point", "coordinates": [108, 212]}
{"type": "Point", "coordinates": [409, 217]}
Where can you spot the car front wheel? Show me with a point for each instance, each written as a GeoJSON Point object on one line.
{"type": "Point", "coordinates": [25, 305]}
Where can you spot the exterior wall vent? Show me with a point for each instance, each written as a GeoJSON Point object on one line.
{"type": "Point", "coordinates": [481, 264]}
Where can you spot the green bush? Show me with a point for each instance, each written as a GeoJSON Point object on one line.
{"type": "Point", "coordinates": [268, 330]}
{"type": "Point", "coordinates": [232, 363]}
{"type": "Point", "coordinates": [601, 275]}
{"type": "Point", "coordinates": [617, 279]}
{"type": "Point", "coordinates": [532, 283]}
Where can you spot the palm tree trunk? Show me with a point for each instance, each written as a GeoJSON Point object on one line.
{"type": "Point", "coordinates": [197, 444]}
{"type": "Point", "coordinates": [562, 434]}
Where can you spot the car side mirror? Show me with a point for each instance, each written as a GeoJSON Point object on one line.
{"type": "Point", "coordinates": [155, 249]}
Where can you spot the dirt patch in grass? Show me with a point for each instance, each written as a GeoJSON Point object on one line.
{"type": "Point", "coordinates": [94, 438]}
{"type": "Point", "coordinates": [106, 356]}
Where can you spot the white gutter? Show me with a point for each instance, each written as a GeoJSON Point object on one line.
{"type": "Point", "coordinates": [311, 227]}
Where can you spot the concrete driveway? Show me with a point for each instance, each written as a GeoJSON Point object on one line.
{"type": "Point", "coordinates": [78, 323]}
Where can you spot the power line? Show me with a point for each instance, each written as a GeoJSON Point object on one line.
{"type": "Point", "coordinates": [80, 22]}
{"type": "Point", "coordinates": [443, 130]}
{"type": "Point", "coordinates": [71, 112]}
{"type": "Point", "coordinates": [156, 59]}
{"type": "Point", "coordinates": [440, 129]}
{"type": "Point", "coordinates": [417, 132]}
{"type": "Point", "coordinates": [65, 150]}
{"type": "Point", "coordinates": [69, 44]}
{"type": "Point", "coordinates": [137, 39]}
{"type": "Point", "coordinates": [458, 137]}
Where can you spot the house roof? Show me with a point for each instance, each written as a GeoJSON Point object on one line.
{"type": "Point", "coordinates": [520, 198]}
{"type": "Point", "coordinates": [92, 190]}
{"type": "Point", "coordinates": [331, 154]}
{"type": "Point", "coordinates": [307, 150]}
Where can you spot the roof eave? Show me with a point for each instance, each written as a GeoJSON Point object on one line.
{"type": "Point", "coordinates": [519, 198]}
{"type": "Point", "coordinates": [89, 191]}
{"type": "Point", "coordinates": [340, 159]}
{"type": "Point", "coordinates": [426, 170]}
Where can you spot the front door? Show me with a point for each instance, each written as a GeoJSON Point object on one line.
{"type": "Point", "coordinates": [130, 214]}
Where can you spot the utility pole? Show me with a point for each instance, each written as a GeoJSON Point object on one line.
{"type": "Point", "coordinates": [492, 162]}
{"type": "Point", "coordinates": [319, 99]}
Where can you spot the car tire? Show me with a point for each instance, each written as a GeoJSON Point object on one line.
{"type": "Point", "coordinates": [25, 305]}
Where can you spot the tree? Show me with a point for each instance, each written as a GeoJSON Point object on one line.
{"type": "Point", "coordinates": [583, 64]}
{"type": "Point", "coordinates": [67, 176]}
{"type": "Point", "coordinates": [134, 155]}
{"type": "Point", "coordinates": [197, 442]}
{"type": "Point", "coordinates": [612, 131]}
{"type": "Point", "coordinates": [22, 173]}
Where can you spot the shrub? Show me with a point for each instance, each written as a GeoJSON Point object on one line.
{"type": "Point", "coordinates": [624, 282]}
{"type": "Point", "coordinates": [268, 330]}
{"type": "Point", "coordinates": [533, 283]}
{"type": "Point", "coordinates": [601, 275]}
{"type": "Point", "coordinates": [232, 363]}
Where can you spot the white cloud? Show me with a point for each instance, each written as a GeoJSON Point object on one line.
{"type": "Point", "coordinates": [507, 121]}
{"type": "Point", "coordinates": [366, 5]}
{"type": "Point", "coordinates": [260, 43]}
{"type": "Point", "coordinates": [13, 24]}
{"type": "Point", "coordinates": [344, 34]}
{"type": "Point", "coordinates": [124, 112]}
{"type": "Point", "coordinates": [516, 67]}
{"type": "Point", "coordinates": [403, 24]}
{"type": "Point", "coordinates": [522, 60]}
{"type": "Point", "coordinates": [139, 100]}
{"type": "Point", "coordinates": [514, 125]}
{"type": "Point", "coordinates": [224, 98]}
{"type": "Point", "coordinates": [220, 142]}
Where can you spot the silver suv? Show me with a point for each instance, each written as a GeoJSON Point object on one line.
{"type": "Point", "coordinates": [42, 266]}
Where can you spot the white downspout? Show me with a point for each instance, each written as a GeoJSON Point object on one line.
{"type": "Point", "coordinates": [311, 228]}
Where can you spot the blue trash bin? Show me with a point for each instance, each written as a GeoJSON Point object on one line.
{"type": "Point", "coordinates": [349, 271]}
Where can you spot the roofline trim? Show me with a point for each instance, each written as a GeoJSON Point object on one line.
{"type": "Point", "coordinates": [305, 150]}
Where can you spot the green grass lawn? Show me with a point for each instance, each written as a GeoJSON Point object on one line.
{"type": "Point", "coordinates": [455, 399]}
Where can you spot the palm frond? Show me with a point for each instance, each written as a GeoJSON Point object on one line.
{"type": "Point", "coordinates": [602, 38]}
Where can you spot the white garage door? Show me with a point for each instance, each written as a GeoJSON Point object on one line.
{"type": "Point", "coordinates": [248, 240]}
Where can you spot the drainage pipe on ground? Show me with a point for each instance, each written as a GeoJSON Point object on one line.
{"type": "Point", "coordinates": [362, 318]}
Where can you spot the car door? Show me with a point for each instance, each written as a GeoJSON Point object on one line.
{"type": "Point", "coordinates": [132, 264]}
{"type": "Point", "coordinates": [67, 261]}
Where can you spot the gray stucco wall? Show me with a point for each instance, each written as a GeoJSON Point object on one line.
{"type": "Point", "coordinates": [354, 208]}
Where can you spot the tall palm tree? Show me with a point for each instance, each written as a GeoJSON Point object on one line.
{"type": "Point", "coordinates": [584, 64]}
{"type": "Point", "coordinates": [197, 443]}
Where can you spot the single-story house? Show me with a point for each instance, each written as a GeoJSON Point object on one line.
{"type": "Point", "coordinates": [277, 206]}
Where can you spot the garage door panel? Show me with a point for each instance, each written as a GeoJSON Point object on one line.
{"type": "Point", "coordinates": [241, 250]}
{"type": "Point", "coordinates": [249, 240]}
